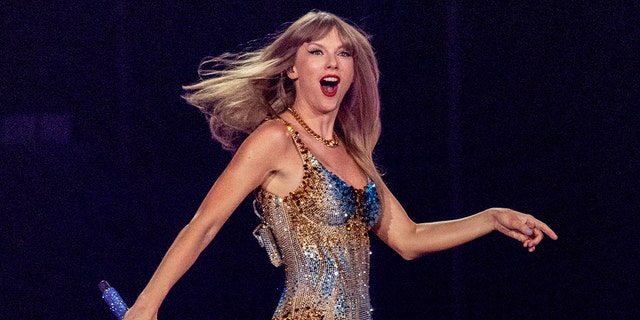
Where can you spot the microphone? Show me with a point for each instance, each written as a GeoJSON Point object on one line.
{"type": "Point", "coordinates": [113, 299]}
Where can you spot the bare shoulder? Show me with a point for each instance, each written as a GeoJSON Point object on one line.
{"type": "Point", "coordinates": [268, 142]}
{"type": "Point", "coordinates": [271, 135]}
{"type": "Point", "coordinates": [270, 152]}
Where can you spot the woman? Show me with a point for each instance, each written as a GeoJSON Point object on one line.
{"type": "Point", "coordinates": [307, 106]}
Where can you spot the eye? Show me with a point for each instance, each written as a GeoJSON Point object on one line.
{"type": "Point", "coordinates": [316, 52]}
{"type": "Point", "coordinates": [344, 54]}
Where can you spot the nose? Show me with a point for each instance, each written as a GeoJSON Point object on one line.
{"type": "Point", "coordinates": [332, 62]}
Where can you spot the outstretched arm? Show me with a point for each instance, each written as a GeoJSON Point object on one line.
{"type": "Point", "coordinates": [412, 240]}
{"type": "Point", "coordinates": [250, 167]}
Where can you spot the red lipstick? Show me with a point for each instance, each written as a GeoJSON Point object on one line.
{"type": "Point", "coordinates": [329, 85]}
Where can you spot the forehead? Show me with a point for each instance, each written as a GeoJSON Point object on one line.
{"type": "Point", "coordinates": [329, 36]}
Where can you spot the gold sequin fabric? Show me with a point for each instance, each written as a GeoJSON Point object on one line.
{"type": "Point", "coordinates": [322, 231]}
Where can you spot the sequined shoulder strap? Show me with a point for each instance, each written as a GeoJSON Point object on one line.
{"type": "Point", "coordinates": [295, 136]}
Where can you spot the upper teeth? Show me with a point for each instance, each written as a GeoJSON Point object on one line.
{"type": "Point", "coordinates": [330, 79]}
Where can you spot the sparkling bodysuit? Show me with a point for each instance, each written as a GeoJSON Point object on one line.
{"type": "Point", "coordinates": [322, 230]}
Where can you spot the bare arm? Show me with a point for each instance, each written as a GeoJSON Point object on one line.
{"type": "Point", "coordinates": [412, 240]}
{"type": "Point", "coordinates": [249, 168]}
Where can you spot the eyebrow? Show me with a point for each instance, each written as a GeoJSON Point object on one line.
{"type": "Point", "coordinates": [342, 45]}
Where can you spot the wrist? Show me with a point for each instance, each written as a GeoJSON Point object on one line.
{"type": "Point", "coordinates": [490, 216]}
{"type": "Point", "coordinates": [148, 301]}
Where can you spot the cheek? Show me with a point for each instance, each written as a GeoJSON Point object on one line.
{"type": "Point", "coordinates": [350, 78]}
{"type": "Point", "coordinates": [350, 71]}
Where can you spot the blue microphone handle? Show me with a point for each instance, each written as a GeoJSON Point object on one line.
{"type": "Point", "coordinates": [113, 299]}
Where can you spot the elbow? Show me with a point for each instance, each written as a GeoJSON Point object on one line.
{"type": "Point", "coordinates": [411, 255]}
{"type": "Point", "coordinates": [408, 256]}
{"type": "Point", "coordinates": [202, 235]}
{"type": "Point", "coordinates": [406, 246]}
{"type": "Point", "coordinates": [407, 253]}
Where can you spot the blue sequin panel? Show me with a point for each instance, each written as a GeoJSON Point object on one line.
{"type": "Point", "coordinates": [371, 205]}
{"type": "Point", "coordinates": [345, 194]}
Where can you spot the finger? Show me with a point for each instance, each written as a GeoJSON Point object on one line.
{"type": "Point", "coordinates": [526, 228]}
{"type": "Point", "coordinates": [545, 228]}
{"type": "Point", "coordinates": [537, 224]}
{"type": "Point", "coordinates": [515, 234]}
{"type": "Point", "coordinates": [536, 238]}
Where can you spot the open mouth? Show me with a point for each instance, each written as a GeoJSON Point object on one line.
{"type": "Point", "coordinates": [329, 85]}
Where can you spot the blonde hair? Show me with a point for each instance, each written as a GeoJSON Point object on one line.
{"type": "Point", "coordinates": [239, 91]}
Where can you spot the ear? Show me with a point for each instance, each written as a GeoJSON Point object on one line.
{"type": "Point", "coordinates": [292, 73]}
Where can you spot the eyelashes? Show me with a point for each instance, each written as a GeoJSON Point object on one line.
{"type": "Point", "coordinates": [317, 52]}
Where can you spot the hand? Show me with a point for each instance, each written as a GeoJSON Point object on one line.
{"type": "Point", "coordinates": [522, 227]}
{"type": "Point", "coordinates": [137, 312]}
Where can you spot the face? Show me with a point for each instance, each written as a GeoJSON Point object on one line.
{"type": "Point", "coordinates": [322, 73]}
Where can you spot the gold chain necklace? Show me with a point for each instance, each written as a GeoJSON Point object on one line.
{"type": "Point", "coordinates": [327, 142]}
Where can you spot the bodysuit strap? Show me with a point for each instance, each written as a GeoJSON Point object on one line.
{"type": "Point", "coordinates": [295, 136]}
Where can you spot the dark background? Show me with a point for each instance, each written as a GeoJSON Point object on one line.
{"type": "Point", "coordinates": [525, 104]}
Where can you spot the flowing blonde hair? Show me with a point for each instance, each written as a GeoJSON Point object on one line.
{"type": "Point", "coordinates": [239, 91]}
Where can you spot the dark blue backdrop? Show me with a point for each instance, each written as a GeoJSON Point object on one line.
{"type": "Point", "coordinates": [526, 105]}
